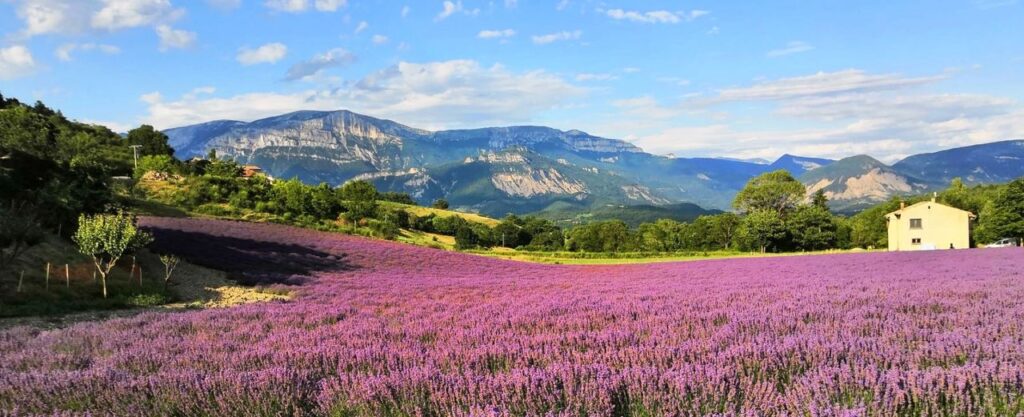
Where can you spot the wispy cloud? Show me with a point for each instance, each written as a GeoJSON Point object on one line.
{"type": "Point", "coordinates": [379, 39]}
{"type": "Point", "coordinates": [171, 38]}
{"type": "Point", "coordinates": [448, 8]}
{"type": "Point", "coordinates": [589, 76]}
{"type": "Point", "coordinates": [265, 54]}
{"type": "Point", "coordinates": [794, 47]}
{"type": "Point", "coordinates": [65, 51]}
{"type": "Point", "coordinates": [298, 6]}
{"type": "Point", "coordinates": [494, 34]}
{"type": "Point", "coordinates": [655, 16]}
{"type": "Point", "coordinates": [556, 37]}
{"type": "Point", "coordinates": [337, 57]}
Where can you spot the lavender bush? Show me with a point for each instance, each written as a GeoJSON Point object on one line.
{"type": "Point", "coordinates": [380, 328]}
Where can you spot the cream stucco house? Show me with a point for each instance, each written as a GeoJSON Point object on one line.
{"type": "Point", "coordinates": [929, 225]}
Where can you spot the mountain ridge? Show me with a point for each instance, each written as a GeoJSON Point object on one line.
{"type": "Point", "coordinates": [496, 170]}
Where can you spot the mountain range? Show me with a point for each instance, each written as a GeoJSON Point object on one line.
{"type": "Point", "coordinates": [526, 169]}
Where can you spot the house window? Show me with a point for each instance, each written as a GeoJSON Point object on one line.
{"type": "Point", "coordinates": [915, 223]}
{"type": "Point", "coordinates": [915, 241]}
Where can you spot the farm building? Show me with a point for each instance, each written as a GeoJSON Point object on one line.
{"type": "Point", "coordinates": [929, 225]}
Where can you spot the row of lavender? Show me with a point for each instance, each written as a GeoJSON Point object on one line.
{"type": "Point", "coordinates": [384, 329]}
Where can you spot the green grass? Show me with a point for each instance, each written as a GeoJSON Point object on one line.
{"type": "Point", "coordinates": [35, 299]}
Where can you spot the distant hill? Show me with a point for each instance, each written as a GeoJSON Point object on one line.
{"type": "Point", "coordinates": [860, 181]}
{"type": "Point", "coordinates": [988, 163]}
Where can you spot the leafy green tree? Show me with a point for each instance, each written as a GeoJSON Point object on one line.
{"type": "Point", "coordinates": [762, 229]}
{"type": "Point", "coordinates": [777, 191]}
{"type": "Point", "coordinates": [292, 196]}
{"type": "Point", "coordinates": [323, 203]}
{"type": "Point", "coordinates": [544, 234]}
{"type": "Point", "coordinates": [157, 163]}
{"type": "Point", "coordinates": [1005, 217]}
{"type": "Point", "coordinates": [819, 199]}
{"type": "Point", "coordinates": [812, 228]}
{"type": "Point", "coordinates": [511, 233]}
{"type": "Point", "coordinates": [465, 238]}
{"type": "Point", "coordinates": [152, 141]}
{"type": "Point", "coordinates": [396, 197]}
{"type": "Point", "coordinates": [440, 203]}
{"type": "Point", "coordinates": [19, 231]}
{"type": "Point", "coordinates": [108, 237]}
{"type": "Point", "coordinates": [222, 168]}
{"type": "Point", "coordinates": [605, 236]}
{"type": "Point", "coordinates": [359, 199]}
{"type": "Point", "coordinates": [722, 229]}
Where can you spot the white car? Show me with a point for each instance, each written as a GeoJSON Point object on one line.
{"type": "Point", "coordinates": [1004, 243]}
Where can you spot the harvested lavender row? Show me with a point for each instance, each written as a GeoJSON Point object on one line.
{"type": "Point", "coordinates": [380, 328]}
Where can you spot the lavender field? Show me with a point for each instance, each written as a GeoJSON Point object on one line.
{"type": "Point", "coordinates": [383, 329]}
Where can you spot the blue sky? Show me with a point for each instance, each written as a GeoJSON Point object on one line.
{"type": "Point", "coordinates": [692, 78]}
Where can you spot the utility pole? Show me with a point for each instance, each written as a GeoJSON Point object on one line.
{"type": "Point", "coordinates": [135, 151]}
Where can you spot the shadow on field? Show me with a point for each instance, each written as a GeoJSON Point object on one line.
{"type": "Point", "coordinates": [248, 261]}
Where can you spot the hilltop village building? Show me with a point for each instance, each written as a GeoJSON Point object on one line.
{"type": "Point", "coordinates": [929, 225]}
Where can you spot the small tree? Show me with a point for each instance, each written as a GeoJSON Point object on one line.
{"type": "Point", "coordinates": [170, 262]}
{"type": "Point", "coordinates": [108, 237]}
{"type": "Point", "coordinates": [360, 199]}
{"type": "Point", "coordinates": [19, 231]}
{"type": "Point", "coordinates": [440, 204]}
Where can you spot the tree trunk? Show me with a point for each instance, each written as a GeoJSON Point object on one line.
{"type": "Point", "coordinates": [103, 283]}
{"type": "Point", "coordinates": [47, 285]}
{"type": "Point", "coordinates": [67, 276]}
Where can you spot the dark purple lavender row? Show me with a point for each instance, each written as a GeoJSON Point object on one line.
{"type": "Point", "coordinates": [380, 328]}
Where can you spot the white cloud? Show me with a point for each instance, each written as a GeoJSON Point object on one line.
{"type": "Point", "coordinates": [81, 16]}
{"type": "Point", "coordinates": [290, 6]}
{"type": "Point", "coordinates": [655, 16]}
{"type": "Point", "coordinates": [15, 62]}
{"type": "Point", "coordinates": [492, 34]}
{"type": "Point", "coordinates": [337, 57]}
{"type": "Point", "coordinates": [329, 5]}
{"type": "Point", "coordinates": [562, 5]}
{"type": "Point", "coordinates": [406, 10]}
{"type": "Point", "coordinates": [379, 39]}
{"type": "Point", "coordinates": [555, 37]}
{"type": "Point", "coordinates": [595, 77]}
{"type": "Point", "coordinates": [64, 52]}
{"type": "Point", "coordinates": [794, 47]}
{"type": "Point", "coordinates": [448, 8]}
{"type": "Point", "coordinates": [432, 95]}
{"type": "Point", "coordinates": [174, 38]}
{"type": "Point", "coordinates": [121, 14]}
{"type": "Point", "coordinates": [361, 27]}
{"type": "Point", "coordinates": [835, 114]}
{"type": "Point", "coordinates": [268, 53]}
